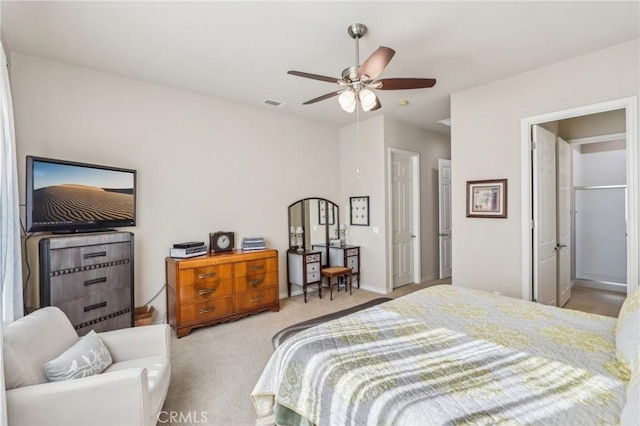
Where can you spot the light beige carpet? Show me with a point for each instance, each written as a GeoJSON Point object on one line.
{"type": "Point", "coordinates": [215, 368]}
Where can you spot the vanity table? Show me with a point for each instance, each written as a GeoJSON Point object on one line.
{"type": "Point", "coordinates": [303, 268]}
{"type": "Point", "coordinates": [346, 255]}
{"type": "Point", "coordinates": [314, 225]}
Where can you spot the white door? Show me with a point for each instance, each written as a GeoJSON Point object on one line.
{"type": "Point", "coordinates": [444, 217]}
{"type": "Point", "coordinates": [544, 262]}
{"type": "Point", "coordinates": [402, 218]}
{"type": "Point", "coordinates": [564, 221]}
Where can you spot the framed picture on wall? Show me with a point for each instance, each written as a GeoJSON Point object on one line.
{"type": "Point", "coordinates": [359, 210]}
{"type": "Point", "coordinates": [487, 198]}
{"type": "Point", "coordinates": [325, 214]}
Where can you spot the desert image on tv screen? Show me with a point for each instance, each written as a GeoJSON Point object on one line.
{"type": "Point", "coordinates": [66, 193]}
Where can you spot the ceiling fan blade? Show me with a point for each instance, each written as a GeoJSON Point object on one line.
{"type": "Point", "coordinates": [405, 83]}
{"type": "Point", "coordinates": [314, 76]}
{"type": "Point", "coordinates": [377, 62]}
{"type": "Point", "coordinates": [323, 97]}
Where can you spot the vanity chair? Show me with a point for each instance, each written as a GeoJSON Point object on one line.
{"type": "Point", "coordinates": [316, 250]}
{"type": "Point", "coordinates": [338, 273]}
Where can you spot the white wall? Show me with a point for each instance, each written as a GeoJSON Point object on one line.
{"type": "Point", "coordinates": [431, 147]}
{"type": "Point", "coordinates": [600, 168]}
{"type": "Point", "coordinates": [365, 152]}
{"type": "Point", "coordinates": [203, 164]}
{"type": "Point", "coordinates": [370, 153]}
{"type": "Point", "coordinates": [592, 125]}
{"type": "Point", "coordinates": [485, 144]}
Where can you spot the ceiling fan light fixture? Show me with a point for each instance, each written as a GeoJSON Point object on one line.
{"type": "Point", "coordinates": [347, 100]}
{"type": "Point", "coordinates": [357, 81]}
{"type": "Point", "coordinates": [367, 99]}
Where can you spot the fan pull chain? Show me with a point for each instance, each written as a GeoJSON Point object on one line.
{"type": "Point", "coordinates": [357, 141]}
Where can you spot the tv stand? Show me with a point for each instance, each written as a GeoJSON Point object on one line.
{"type": "Point", "coordinates": [90, 277]}
{"type": "Point", "coordinates": [82, 231]}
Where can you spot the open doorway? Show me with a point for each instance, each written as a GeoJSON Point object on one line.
{"type": "Point", "coordinates": [599, 199]}
{"type": "Point", "coordinates": [541, 267]}
{"type": "Point", "coordinates": [587, 177]}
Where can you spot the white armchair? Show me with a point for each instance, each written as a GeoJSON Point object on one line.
{"type": "Point", "coordinates": [129, 392]}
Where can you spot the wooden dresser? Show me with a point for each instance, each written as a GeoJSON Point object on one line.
{"type": "Point", "coordinates": [207, 290]}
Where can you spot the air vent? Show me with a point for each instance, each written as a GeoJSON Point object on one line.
{"type": "Point", "coordinates": [272, 103]}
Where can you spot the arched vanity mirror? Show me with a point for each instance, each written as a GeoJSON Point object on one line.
{"type": "Point", "coordinates": [317, 240]}
{"type": "Point", "coordinates": [314, 225]}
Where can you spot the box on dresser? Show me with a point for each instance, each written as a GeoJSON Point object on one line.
{"type": "Point", "coordinates": [220, 287]}
{"type": "Point", "coordinates": [90, 277]}
{"type": "Point", "coordinates": [183, 253]}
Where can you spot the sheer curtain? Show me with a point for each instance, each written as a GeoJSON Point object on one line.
{"type": "Point", "coordinates": [10, 256]}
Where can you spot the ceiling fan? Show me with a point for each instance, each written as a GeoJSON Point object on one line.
{"type": "Point", "coordinates": [358, 81]}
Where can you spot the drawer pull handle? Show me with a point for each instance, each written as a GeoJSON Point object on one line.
{"type": "Point", "coordinates": [256, 268]}
{"type": "Point", "coordinates": [209, 275]}
{"type": "Point", "coordinates": [96, 306]}
{"type": "Point", "coordinates": [95, 281]}
{"type": "Point", "coordinates": [96, 254]}
{"type": "Point", "coordinates": [207, 310]}
{"type": "Point", "coordinates": [257, 299]}
{"type": "Point", "coordinates": [208, 290]}
{"type": "Point", "coordinates": [256, 282]}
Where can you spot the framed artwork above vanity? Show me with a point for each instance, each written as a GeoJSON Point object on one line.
{"type": "Point", "coordinates": [359, 207]}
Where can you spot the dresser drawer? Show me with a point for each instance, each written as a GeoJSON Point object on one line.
{"type": "Point", "coordinates": [255, 299]}
{"type": "Point", "coordinates": [210, 309]}
{"type": "Point", "coordinates": [81, 284]}
{"type": "Point", "coordinates": [96, 305]}
{"type": "Point", "coordinates": [205, 277]}
{"type": "Point", "coordinates": [352, 262]}
{"type": "Point", "coordinates": [111, 323]}
{"type": "Point", "coordinates": [257, 281]}
{"type": "Point", "coordinates": [313, 277]}
{"type": "Point", "coordinates": [352, 252]}
{"type": "Point", "coordinates": [74, 258]}
{"type": "Point", "coordinates": [313, 272]}
{"type": "Point", "coordinates": [200, 292]}
{"type": "Point", "coordinates": [312, 258]}
{"type": "Point", "coordinates": [253, 267]}
{"type": "Point", "coordinates": [313, 267]}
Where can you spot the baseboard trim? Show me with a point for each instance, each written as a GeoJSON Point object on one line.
{"type": "Point", "coordinates": [298, 291]}
{"type": "Point", "coordinates": [285, 294]}
{"type": "Point", "coordinates": [431, 277]}
{"type": "Point", "coordinates": [313, 290]}
{"type": "Point", "coordinates": [601, 285]}
{"type": "Point", "coordinates": [371, 289]}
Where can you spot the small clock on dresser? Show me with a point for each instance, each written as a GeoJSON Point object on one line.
{"type": "Point", "coordinates": [221, 241]}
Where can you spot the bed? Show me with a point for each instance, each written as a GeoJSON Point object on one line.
{"type": "Point", "coordinates": [450, 355]}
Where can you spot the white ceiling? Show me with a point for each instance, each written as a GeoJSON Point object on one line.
{"type": "Point", "coordinates": [241, 51]}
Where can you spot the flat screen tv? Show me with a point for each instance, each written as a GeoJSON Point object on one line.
{"type": "Point", "coordinates": [65, 196]}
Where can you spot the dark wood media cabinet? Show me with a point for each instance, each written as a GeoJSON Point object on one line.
{"type": "Point", "coordinates": [90, 277]}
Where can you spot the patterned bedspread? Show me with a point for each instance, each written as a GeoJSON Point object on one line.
{"type": "Point", "coordinates": [449, 355]}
